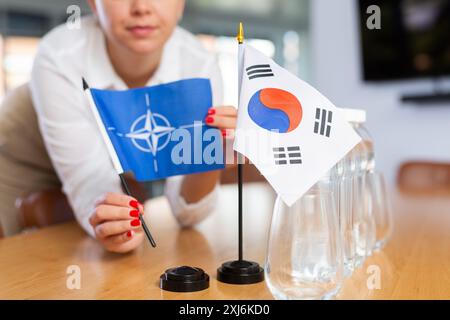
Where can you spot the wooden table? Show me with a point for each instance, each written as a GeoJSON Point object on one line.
{"type": "Point", "coordinates": [414, 265]}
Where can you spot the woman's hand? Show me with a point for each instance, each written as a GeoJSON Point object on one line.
{"type": "Point", "coordinates": [116, 222]}
{"type": "Point", "coordinates": [224, 118]}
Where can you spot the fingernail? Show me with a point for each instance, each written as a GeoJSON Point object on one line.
{"type": "Point", "coordinates": [134, 204]}
{"type": "Point", "coordinates": [209, 120]}
{"type": "Point", "coordinates": [129, 234]}
{"type": "Point", "coordinates": [134, 213]}
{"type": "Point", "coordinates": [135, 223]}
{"type": "Point", "coordinates": [224, 132]}
{"type": "Point", "coordinates": [211, 112]}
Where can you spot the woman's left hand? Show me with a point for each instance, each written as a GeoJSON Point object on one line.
{"type": "Point", "coordinates": [223, 118]}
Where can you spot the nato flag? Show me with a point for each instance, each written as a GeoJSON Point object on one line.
{"type": "Point", "coordinates": [159, 132]}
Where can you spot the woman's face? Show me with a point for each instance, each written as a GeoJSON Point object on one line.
{"type": "Point", "coordinates": [141, 26]}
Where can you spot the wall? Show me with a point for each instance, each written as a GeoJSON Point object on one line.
{"type": "Point", "coordinates": [401, 132]}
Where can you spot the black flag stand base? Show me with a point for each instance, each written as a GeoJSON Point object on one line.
{"type": "Point", "coordinates": [184, 279]}
{"type": "Point", "coordinates": [240, 271]}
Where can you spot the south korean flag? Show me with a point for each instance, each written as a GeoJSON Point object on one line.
{"type": "Point", "coordinates": [288, 129]}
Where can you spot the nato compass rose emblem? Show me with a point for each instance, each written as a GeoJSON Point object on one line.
{"type": "Point", "coordinates": [151, 132]}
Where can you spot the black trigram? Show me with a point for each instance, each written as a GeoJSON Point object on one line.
{"type": "Point", "coordinates": [323, 122]}
{"type": "Point", "coordinates": [289, 155]}
{"type": "Point", "coordinates": [259, 71]}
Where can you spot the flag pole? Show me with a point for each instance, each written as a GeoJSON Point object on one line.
{"type": "Point", "coordinates": [240, 271]}
{"type": "Point", "coordinates": [240, 39]}
{"type": "Point", "coordinates": [113, 155]}
{"type": "Point", "coordinates": [141, 218]}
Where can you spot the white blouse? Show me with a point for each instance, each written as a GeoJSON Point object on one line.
{"type": "Point", "coordinates": [70, 133]}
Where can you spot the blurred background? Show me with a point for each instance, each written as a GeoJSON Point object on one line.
{"type": "Point", "coordinates": [399, 74]}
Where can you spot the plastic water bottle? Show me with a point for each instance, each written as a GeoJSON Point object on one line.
{"type": "Point", "coordinates": [362, 161]}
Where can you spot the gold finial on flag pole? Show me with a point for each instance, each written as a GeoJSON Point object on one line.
{"type": "Point", "coordinates": [240, 35]}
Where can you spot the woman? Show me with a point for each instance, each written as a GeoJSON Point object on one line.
{"type": "Point", "coordinates": [126, 44]}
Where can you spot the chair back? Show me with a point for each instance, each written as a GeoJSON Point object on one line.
{"type": "Point", "coordinates": [424, 177]}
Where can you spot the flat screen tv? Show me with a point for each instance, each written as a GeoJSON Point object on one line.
{"type": "Point", "coordinates": [413, 42]}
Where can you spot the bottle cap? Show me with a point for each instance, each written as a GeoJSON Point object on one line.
{"type": "Point", "coordinates": [354, 115]}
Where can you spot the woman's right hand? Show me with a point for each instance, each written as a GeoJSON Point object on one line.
{"type": "Point", "coordinates": [116, 222]}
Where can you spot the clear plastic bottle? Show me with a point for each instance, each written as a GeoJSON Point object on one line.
{"type": "Point", "coordinates": [361, 161]}
{"type": "Point", "coordinates": [338, 179]}
{"type": "Point", "coordinates": [353, 202]}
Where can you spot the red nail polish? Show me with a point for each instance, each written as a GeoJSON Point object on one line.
{"type": "Point", "coordinates": [129, 234]}
{"type": "Point", "coordinates": [134, 213]}
{"type": "Point", "coordinates": [135, 223]}
{"type": "Point", "coordinates": [224, 133]}
{"type": "Point", "coordinates": [134, 204]}
{"type": "Point", "coordinates": [209, 120]}
{"type": "Point", "coordinates": [211, 112]}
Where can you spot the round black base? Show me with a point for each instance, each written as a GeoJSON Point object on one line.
{"type": "Point", "coordinates": [240, 272]}
{"type": "Point", "coordinates": [184, 279]}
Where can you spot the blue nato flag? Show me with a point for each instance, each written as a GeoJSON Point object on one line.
{"type": "Point", "coordinates": [158, 131]}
